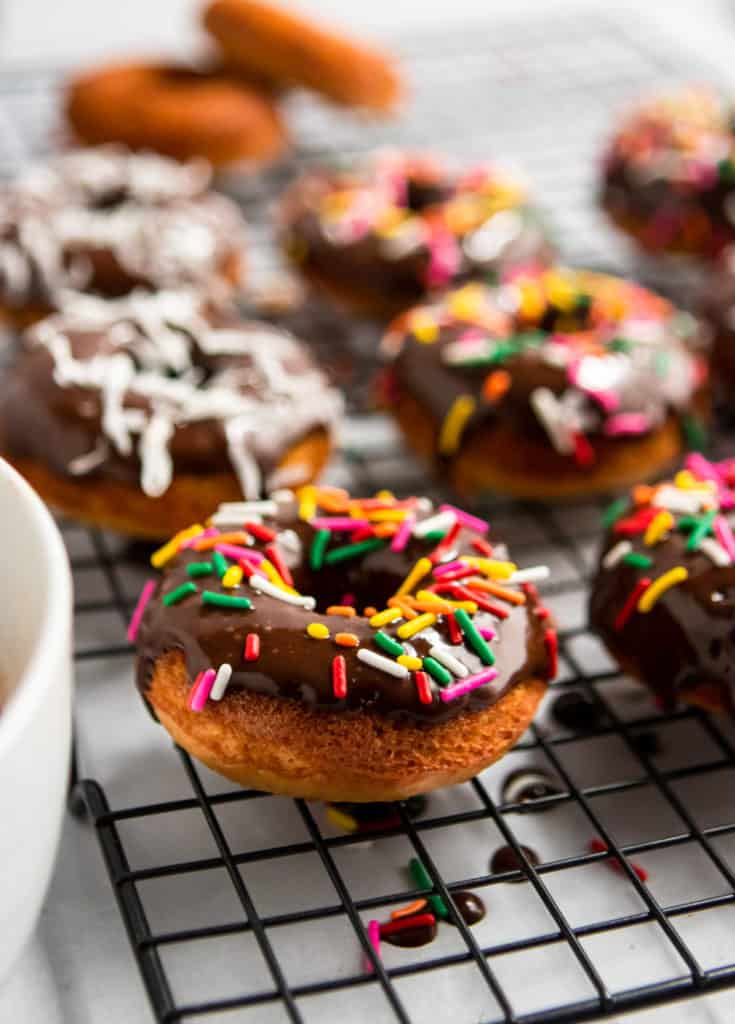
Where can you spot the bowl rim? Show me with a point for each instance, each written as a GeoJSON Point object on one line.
{"type": "Point", "coordinates": [54, 628]}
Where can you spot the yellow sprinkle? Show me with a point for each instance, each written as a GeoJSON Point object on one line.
{"type": "Point", "coordinates": [409, 629]}
{"type": "Point", "coordinates": [465, 302]}
{"type": "Point", "coordinates": [468, 606]}
{"type": "Point", "coordinates": [424, 327]}
{"type": "Point", "coordinates": [384, 617]}
{"type": "Point", "coordinates": [532, 301]}
{"type": "Point", "coordinates": [492, 567]}
{"type": "Point", "coordinates": [275, 577]}
{"type": "Point", "coordinates": [387, 515]}
{"type": "Point", "coordinates": [341, 820]}
{"type": "Point", "coordinates": [454, 423]}
{"type": "Point", "coordinates": [561, 291]}
{"type": "Point", "coordinates": [669, 579]}
{"type": "Point", "coordinates": [318, 631]}
{"type": "Point", "coordinates": [385, 495]}
{"type": "Point", "coordinates": [307, 502]}
{"type": "Point", "coordinates": [410, 662]}
{"type": "Point", "coordinates": [686, 481]}
{"type": "Point", "coordinates": [658, 527]}
{"type": "Point", "coordinates": [166, 553]}
{"type": "Point", "coordinates": [232, 577]}
{"type": "Point", "coordinates": [422, 568]}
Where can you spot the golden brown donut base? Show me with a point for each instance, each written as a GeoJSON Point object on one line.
{"type": "Point", "coordinates": [121, 506]}
{"type": "Point", "coordinates": [175, 111]}
{"type": "Point", "coordinates": [282, 746]}
{"type": "Point", "coordinates": [261, 40]}
{"type": "Point", "coordinates": [494, 458]}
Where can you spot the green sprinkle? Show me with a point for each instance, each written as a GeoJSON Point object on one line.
{"type": "Point", "coordinates": [700, 531]}
{"type": "Point", "coordinates": [583, 303]}
{"type": "Point", "coordinates": [695, 434]}
{"type": "Point", "coordinates": [620, 345]}
{"type": "Point", "coordinates": [353, 550]}
{"type": "Point", "coordinates": [225, 600]}
{"type": "Point", "coordinates": [318, 547]}
{"type": "Point", "coordinates": [614, 511]}
{"type": "Point", "coordinates": [687, 522]}
{"type": "Point", "coordinates": [199, 569]}
{"type": "Point", "coordinates": [220, 563]}
{"type": "Point", "coordinates": [423, 881]}
{"type": "Point", "coordinates": [476, 642]}
{"type": "Point", "coordinates": [639, 561]}
{"type": "Point", "coordinates": [726, 170]}
{"type": "Point", "coordinates": [180, 593]}
{"type": "Point", "coordinates": [434, 536]}
{"type": "Point", "coordinates": [388, 644]}
{"type": "Point", "coordinates": [438, 671]}
{"type": "Point", "coordinates": [502, 352]}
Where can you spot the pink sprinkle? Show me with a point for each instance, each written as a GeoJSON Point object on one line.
{"type": "Point", "coordinates": [609, 400]}
{"type": "Point", "coordinates": [348, 600]}
{"type": "Point", "coordinates": [402, 537]}
{"type": "Point", "coordinates": [249, 554]}
{"type": "Point", "coordinates": [468, 684]}
{"type": "Point", "coordinates": [441, 570]}
{"type": "Point", "coordinates": [201, 690]}
{"type": "Point", "coordinates": [724, 535]}
{"type": "Point", "coordinates": [627, 423]}
{"type": "Point", "coordinates": [235, 551]}
{"type": "Point", "coordinates": [444, 257]}
{"type": "Point", "coordinates": [211, 531]}
{"type": "Point", "coordinates": [471, 522]}
{"type": "Point", "coordinates": [338, 523]}
{"type": "Point", "coordinates": [373, 930]}
{"type": "Point", "coordinates": [702, 468]}
{"type": "Point", "coordinates": [145, 595]}
{"type": "Point", "coordinates": [486, 633]}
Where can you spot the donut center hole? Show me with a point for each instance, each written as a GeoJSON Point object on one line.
{"type": "Point", "coordinates": [422, 193]}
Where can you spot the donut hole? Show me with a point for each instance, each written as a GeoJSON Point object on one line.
{"type": "Point", "coordinates": [424, 192]}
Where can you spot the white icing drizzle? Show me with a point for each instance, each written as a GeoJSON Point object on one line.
{"type": "Point", "coordinates": [257, 384]}
{"type": "Point", "coordinates": [163, 227]}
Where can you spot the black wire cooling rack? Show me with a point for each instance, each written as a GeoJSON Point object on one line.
{"type": "Point", "coordinates": [240, 906]}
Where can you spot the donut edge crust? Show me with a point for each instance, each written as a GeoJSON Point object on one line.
{"type": "Point", "coordinates": [122, 506]}
{"type": "Point", "coordinates": [282, 746]}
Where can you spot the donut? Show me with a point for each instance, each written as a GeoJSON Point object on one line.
{"type": "Point", "coordinates": [108, 221]}
{"type": "Point", "coordinates": [379, 236]}
{"type": "Point", "coordinates": [717, 309]}
{"type": "Point", "coordinates": [289, 50]}
{"type": "Point", "coordinates": [664, 593]}
{"type": "Point", "coordinates": [555, 384]}
{"type": "Point", "coordinates": [342, 649]}
{"type": "Point", "coordinates": [668, 176]}
{"type": "Point", "coordinates": [177, 110]}
{"type": "Point", "coordinates": [135, 414]}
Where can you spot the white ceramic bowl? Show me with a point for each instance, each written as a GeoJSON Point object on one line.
{"type": "Point", "coordinates": [35, 717]}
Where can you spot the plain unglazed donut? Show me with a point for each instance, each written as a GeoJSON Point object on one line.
{"type": "Point", "coordinates": [555, 384]}
{"type": "Point", "coordinates": [142, 414]}
{"type": "Point", "coordinates": [176, 110]}
{"type": "Point", "coordinates": [343, 649]}
{"type": "Point", "coordinates": [257, 38]}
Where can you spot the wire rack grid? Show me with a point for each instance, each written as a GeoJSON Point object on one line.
{"type": "Point", "coordinates": [240, 906]}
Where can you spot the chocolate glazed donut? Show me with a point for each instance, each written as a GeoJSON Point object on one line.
{"type": "Point", "coordinates": [663, 599]}
{"type": "Point", "coordinates": [343, 649]}
{"type": "Point", "coordinates": [555, 384]}
{"type": "Point", "coordinates": [135, 414]}
{"type": "Point", "coordinates": [108, 221]}
{"type": "Point", "coordinates": [380, 236]}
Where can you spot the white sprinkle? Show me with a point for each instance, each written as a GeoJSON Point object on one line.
{"type": "Point", "coordinates": [384, 664]}
{"type": "Point", "coordinates": [714, 550]}
{"type": "Point", "coordinates": [616, 553]}
{"type": "Point", "coordinates": [247, 509]}
{"type": "Point", "coordinates": [265, 586]}
{"type": "Point", "coordinates": [533, 574]}
{"type": "Point", "coordinates": [289, 541]}
{"type": "Point", "coordinates": [550, 413]}
{"type": "Point", "coordinates": [447, 659]}
{"type": "Point", "coordinates": [677, 500]}
{"type": "Point", "coordinates": [221, 681]}
{"type": "Point", "coordinates": [442, 521]}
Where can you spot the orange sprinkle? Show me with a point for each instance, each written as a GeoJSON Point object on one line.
{"type": "Point", "coordinates": [495, 385]}
{"type": "Point", "coordinates": [643, 494]}
{"type": "Point", "coordinates": [397, 602]}
{"type": "Point", "coordinates": [511, 596]}
{"type": "Point", "coordinates": [408, 910]}
{"type": "Point", "coordinates": [385, 529]}
{"type": "Point", "coordinates": [346, 640]}
{"type": "Point", "coordinates": [334, 502]}
{"type": "Point", "coordinates": [368, 611]}
{"type": "Point", "coordinates": [341, 609]}
{"type": "Point", "coordinates": [209, 543]}
{"type": "Point", "coordinates": [438, 607]}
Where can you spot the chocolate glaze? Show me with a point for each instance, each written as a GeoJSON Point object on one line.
{"type": "Point", "coordinates": [577, 711]}
{"type": "Point", "coordinates": [470, 906]}
{"type": "Point", "coordinates": [107, 221]}
{"type": "Point", "coordinates": [410, 938]}
{"type": "Point", "coordinates": [506, 859]}
{"type": "Point", "coordinates": [292, 664]}
{"type": "Point", "coordinates": [196, 371]}
{"type": "Point", "coordinates": [668, 175]}
{"type": "Point", "coordinates": [657, 376]}
{"type": "Point", "coordinates": [398, 270]}
{"type": "Point", "coordinates": [688, 638]}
